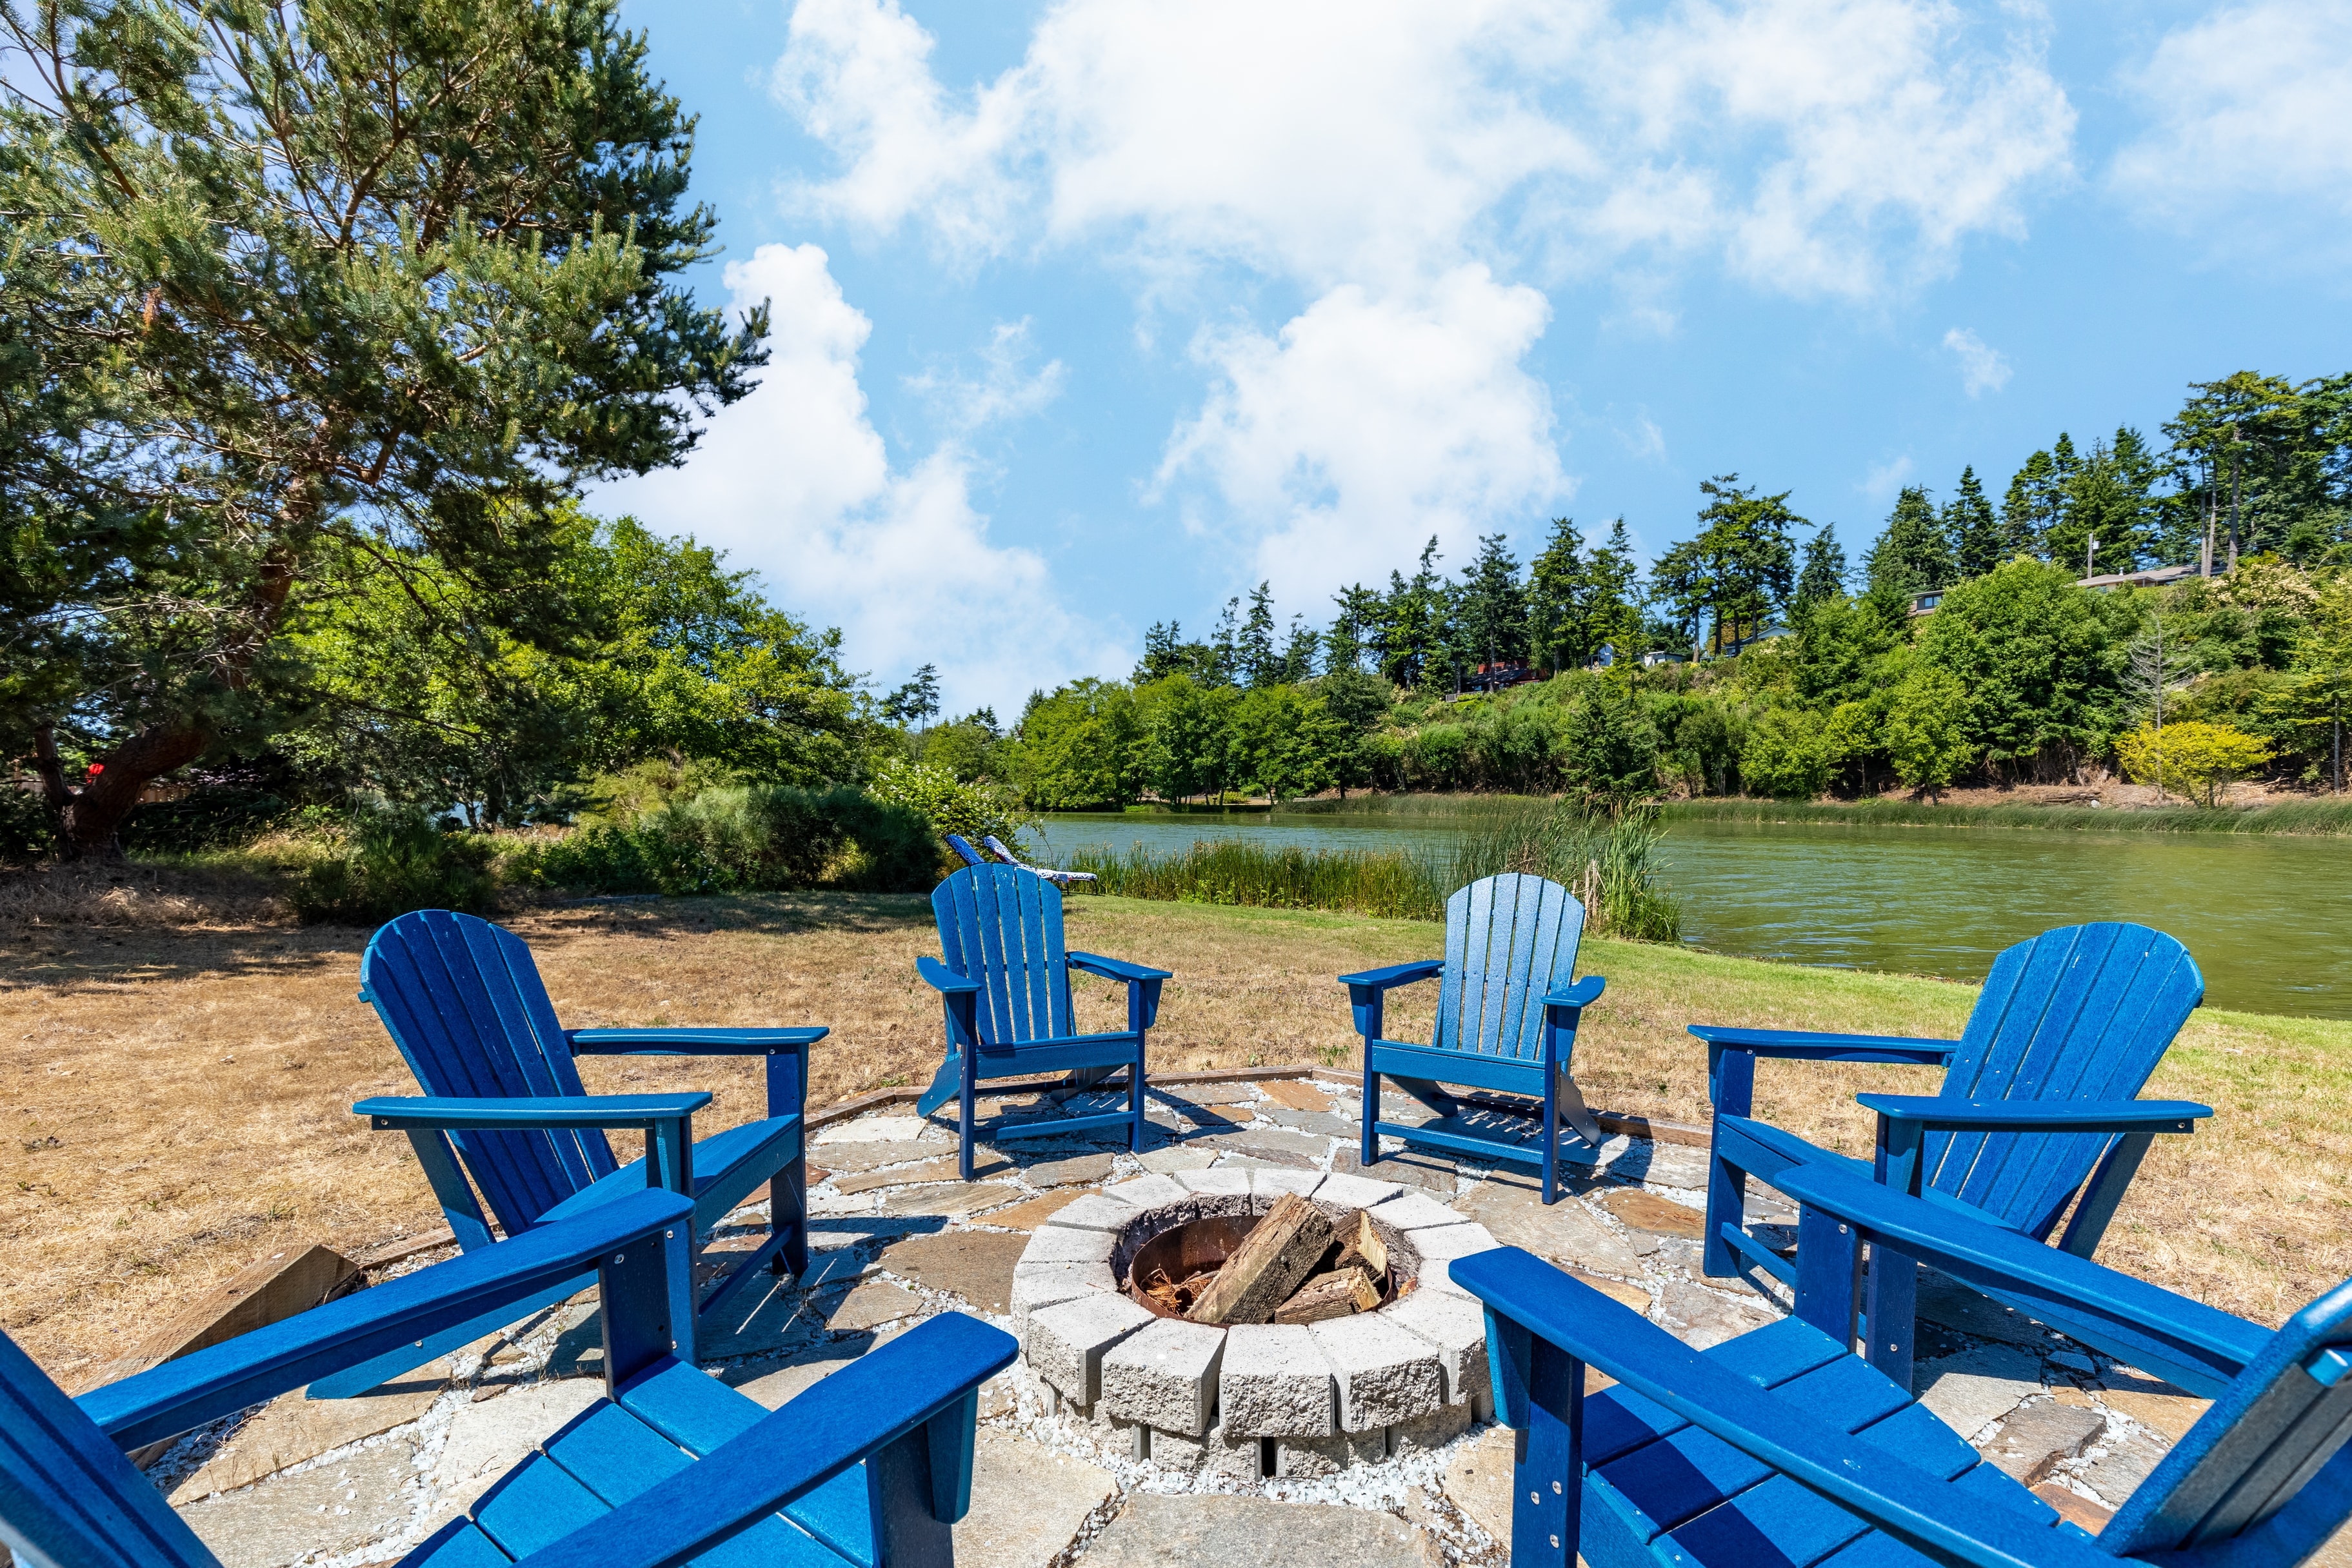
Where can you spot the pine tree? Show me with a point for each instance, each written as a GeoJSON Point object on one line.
{"type": "Point", "coordinates": [1613, 598]}
{"type": "Point", "coordinates": [1975, 533]}
{"type": "Point", "coordinates": [1224, 664]}
{"type": "Point", "coordinates": [1557, 593]}
{"type": "Point", "coordinates": [1260, 664]}
{"type": "Point", "coordinates": [1492, 606]}
{"type": "Point", "coordinates": [1354, 629]}
{"type": "Point", "coordinates": [1299, 653]}
{"type": "Point", "coordinates": [1913, 555]}
{"type": "Point", "coordinates": [1823, 577]}
{"type": "Point", "coordinates": [1163, 653]}
{"type": "Point", "coordinates": [2031, 506]}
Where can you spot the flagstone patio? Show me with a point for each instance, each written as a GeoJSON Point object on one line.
{"type": "Point", "coordinates": [898, 1239]}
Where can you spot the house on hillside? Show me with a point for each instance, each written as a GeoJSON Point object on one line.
{"type": "Point", "coordinates": [2153, 577]}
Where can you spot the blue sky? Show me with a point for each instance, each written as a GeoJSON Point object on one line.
{"type": "Point", "coordinates": [1093, 314]}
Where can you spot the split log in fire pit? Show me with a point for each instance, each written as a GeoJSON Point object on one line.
{"type": "Point", "coordinates": [1293, 1266]}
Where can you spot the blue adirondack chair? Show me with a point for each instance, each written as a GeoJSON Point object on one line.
{"type": "Point", "coordinates": [1058, 878]}
{"type": "Point", "coordinates": [1507, 1009]}
{"type": "Point", "coordinates": [2036, 1111]}
{"type": "Point", "coordinates": [503, 1103]}
{"type": "Point", "coordinates": [871, 1467]}
{"type": "Point", "coordinates": [1004, 983]}
{"type": "Point", "coordinates": [964, 852]}
{"type": "Point", "coordinates": [1782, 1447]}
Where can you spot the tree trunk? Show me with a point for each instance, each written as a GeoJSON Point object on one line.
{"type": "Point", "coordinates": [90, 818]}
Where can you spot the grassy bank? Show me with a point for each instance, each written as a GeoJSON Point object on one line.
{"type": "Point", "coordinates": [179, 1098]}
{"type": "Point", "coordinates": [1605, 859]}
{"type": "Point", "coordinates": [2317, 818]}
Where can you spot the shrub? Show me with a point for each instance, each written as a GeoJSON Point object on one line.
{"type": "Point", "coordinates": [388, 863]}
{"type": "Point", "coordinates": [24, 832]}
{"type": "Point", "coordinates": [974, 810]}
{"type": "Point", "coordinates": [2196, 759]}
{"type": "Point", "coordinates": [1790, 755]}
{"type": "Point", "coordinates": [746, 839]}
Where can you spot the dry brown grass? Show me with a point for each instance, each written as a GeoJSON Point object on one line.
{"type": "Point", "coordinates": [178, 1101]}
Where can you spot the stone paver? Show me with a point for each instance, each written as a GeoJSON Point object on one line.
{"type": "Point", "coordinates": [2035, 1436]}
{"type": "Point", "coordinates": [1309, 1458]}
{"type": "Point", "coordinates": [293, 1428]}
{"type": "Point", "coordinates": [1944, 1300]}
{"type": "Point", "coordinates": [1066, 1343]}
{"type": "Point", "coordinates": [1027, 1503]}
{"type": "Point", "coordinates": [762, 1318]}
{"type": "Point", "coordinates": [1069, 1244]}
{"type": "Point", "coordinates": [1176, 1158]}
{"type": "Point", "coordinates": [1565, 1232]}
{"type": "Point", "coordinates": [1233, 1531]}
{"type": "Point", "coordinates": [985, 1163]}
{"type": "Point", "coordinates": [1648, 1211]}
{"type": "Point", "coordinates": [1067, 1171]}
{"type": "Point", "coordinates": [1297, 1094]}
{"type": "Point", "coordinates": [976, 1265]}
{"type": "Point", "coordinates": [862, 1155]}
{"type": "Point", "coordinates": [1267, 1185]}
{"type": "Point", "coordinates": [1431, 1433]}
{"type": "Point", "coordinates": [487, 1439]}
{"type": "Point", "coordinates": [1383, 1374]}
{"type": "Point", "coordinates": [1319, 1127]}
{"type": "Point", "coordinates": [2152, 1402]}
{"type": "Point", "coordinates": [1443, 1243]}
{"type": "Point", "coordinates": [1431, 1173]}
{"type": "Point", "coordinates": [2118, 1463]}
{"type": "Point", "coordinates": [1226, 1181]}
{"type": "Point", "coordinates": [1478, 1482]}
{"type": "Point", "coordinates": [870, 1305]}
{"type": "Point", "coordinates": [1415, 1211]}
{"type": "Point", "coordinates": [1146, 1191]}
{"type": "Point", "coordinates": [1977, 1386]}
{"type": "Point", "coordinates": [875, 1130]}
{"type": "Point", "coordinates": [1165, 1376]}
{"type": "Point", "coordinates": [801, 1373]}
{"type": "Point", "coordinates": [1272, 1144]}
{"type": "Point", "coordinates": [1269, 1384]}
{"type": "Point", "coordinates": [1703, 1318]}
{"type": "Point", "coordinates": [335, 1508]}
{"type": "Point", "coordinates": [946, 1202]}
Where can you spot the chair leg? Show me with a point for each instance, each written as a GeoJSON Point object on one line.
{"type": "Point", "coordinates": [1551, 1139]}
{"type": "Point", "coordinates": [1891, 1306]}
{"type": "Point", "coordinates": [788, 1194]}
{"type": "Point", "coordinates": [1727, 1204]}
{"type": "Point", "coordinates": [964, 1112]}
{"type": "Point", "coordinates": [1134, 1104]}
{"type": "Point", "coordinates": [1370, 1153]}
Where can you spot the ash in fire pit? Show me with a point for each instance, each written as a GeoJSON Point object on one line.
{"type": "Point", "coordinates": [1295, 1264]}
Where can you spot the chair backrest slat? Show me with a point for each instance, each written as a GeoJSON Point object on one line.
{"type": "Point", "coordinates": [2083, 1012]}
{"type": "Point", "coordinates": [67, 1495]}
{"type": "Point", "coordinates": [1510, 941]}
{"type": "Point", "coordinates": [1002, 926]}
{"type": "Point", "coordinates": [2270, 1434]}
{"type": "Point", "coordinates": [462, 999]}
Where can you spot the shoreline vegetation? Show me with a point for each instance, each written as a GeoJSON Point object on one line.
{"type": "Point", "coordinates": [1601, 853]}
{"type": "Point", "coordinates": [2316, 818]}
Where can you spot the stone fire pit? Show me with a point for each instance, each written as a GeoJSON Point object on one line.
{"type": "Point", "coordinates": [1255, 1399]}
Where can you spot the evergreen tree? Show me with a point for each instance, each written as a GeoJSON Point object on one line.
{"type": "Point", "coordinates": [1976, 535]}
{"type": "Point", "coordinates": [1558, 593]}
{"type": "Point", "coordinates": [1299, 653]}
{"type": "Point", "coordinates": [323, 289]}
{"type": "Point", "coordinates": [1823, 577]}
{"type": "Point", "coordinates": [1164, 653]}
{"type": "Point", "coordinates": [1492, 606]}
{"type": "Point", "coordinates": [1413, 621]}
{"type": "Point", "coordinates": [2108, 498]}
{"type": "Point", "coordinates": [1613, 598]}
{"type": "Point", "coordinates": [2031, 506]}
{"type": "Point", "coordinates": [2250, 432]}
{"type": "Point", "coordinates": [1354, 629]}
{"type": "Point", "coordinates": [1224, 664]}
{"type": "Point", "coordinates": [1913, 555]}
{"type": "Point", "coordinates": [1738, 572]}
{"type": "Point", "coordinates": [916, 701]}
{"type": "Point", "coordinates": [1261, 662]}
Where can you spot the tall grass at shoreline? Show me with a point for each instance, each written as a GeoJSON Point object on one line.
{"type": "Point", "coordinates": [2312, 817]}
{"type": "Point", "coordinates": [1603, 858]}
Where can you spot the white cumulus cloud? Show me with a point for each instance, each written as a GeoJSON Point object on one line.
{"type": "Point", "coordinates": [795, 482]}
{"type": "Point", "coordinates": [1367, 425]}
{"type": "Point", "coordinates": [1982, 369]}
{"type": "Point", "coordinates": [2246, 105]}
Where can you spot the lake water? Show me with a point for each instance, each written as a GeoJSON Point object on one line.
{"type": "Point", "coordinates": [2269, 919]}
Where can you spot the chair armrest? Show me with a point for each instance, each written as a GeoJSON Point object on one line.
{"type": "Point", "coordinates": [2198, 1346]}
{"type": "Point", "coordinates": [166, 1400]}
{"type": "Point", "coordinates": [420, 1113]}
{"type": "Point", "coordinates": [1395, 974]}
{"type": "Point", "coordinates": [1114, 968]}
{"type": "Point", "coordinates": [691, 1041]}
{"type": "Point", "coordinates": [944, 980]}
{"type": "Point", "coordinates": [1527, 1300]}
{"type": "Point", "coordinates": [1583, 994]}
{"type": "Point", "coordinates": [927, 1378]}
{"type": "Point", "coordinates": [1934, 1113]}
{"type": "Point", "coordinates": [1805, 1045]}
